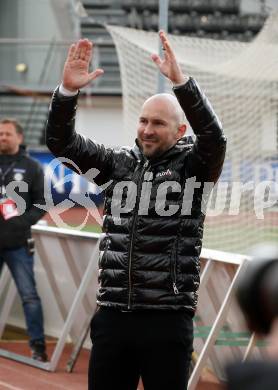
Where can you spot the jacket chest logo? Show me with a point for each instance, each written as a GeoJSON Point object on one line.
{"type": "Point", "coordinates": [18, 174]}
{"type": "Point", "coordinates": [164, 173]}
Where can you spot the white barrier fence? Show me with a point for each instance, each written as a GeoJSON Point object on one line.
{"type": "Point", "coordinates": [66, 274]}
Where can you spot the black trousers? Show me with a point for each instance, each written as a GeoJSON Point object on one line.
{"type": "Point", "coordinates": [152, 344]}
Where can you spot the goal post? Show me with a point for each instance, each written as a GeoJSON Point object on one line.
{"type": "Point", "coordinates": [241, 81]}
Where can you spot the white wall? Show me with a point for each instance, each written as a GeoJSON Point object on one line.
{"type": "Point", "coordinates": [102, 120]}
{"type": "Point", "coordinates": [45, 20]}
{"type": "Point", "coordinates": [37, 19]}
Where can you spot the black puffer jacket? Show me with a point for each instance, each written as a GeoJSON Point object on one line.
{"type": "Point", "coordinates": [22, 168]}
{"type": "Point", "coordinates": [148, 260]}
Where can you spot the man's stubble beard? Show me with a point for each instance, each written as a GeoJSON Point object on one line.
{"type": "Point", "coordinates": [5, 151]}
{"type": "Point", "coordinates": [155, 153]}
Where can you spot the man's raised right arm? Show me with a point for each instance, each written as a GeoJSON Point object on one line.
{"type": "Point", "coordinates": [61, 137]}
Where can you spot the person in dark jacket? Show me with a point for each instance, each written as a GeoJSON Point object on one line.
{"type": "Point", "coordinates": [152, 224]}
{"type": "Point", "coordinates": [22, 186]}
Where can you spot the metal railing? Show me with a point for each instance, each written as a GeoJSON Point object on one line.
{"type": "Point", "coordinates": [66, 273]}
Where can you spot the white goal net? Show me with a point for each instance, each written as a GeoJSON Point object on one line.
{"type": "Point", "coordinates": [241, 81]}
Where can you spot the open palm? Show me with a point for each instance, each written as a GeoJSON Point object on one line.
{"type": "Point", "coordinates": [76, 69]}
{"type": "Point", "coordinates": [168, 66]}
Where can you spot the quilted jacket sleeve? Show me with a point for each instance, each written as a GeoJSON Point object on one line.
{"type": "Point", "coordinates": [208, 153]}
{"type": "Point", "coordinates": [63, 141]}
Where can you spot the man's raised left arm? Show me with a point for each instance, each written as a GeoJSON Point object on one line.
{"type": "Point", "coordinates": [208, 152]}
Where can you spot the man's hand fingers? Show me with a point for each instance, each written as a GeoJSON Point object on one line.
{"type": "Point", "coordinates": [81, 48]}
{"type": "Point", "coordinates": [98, 72]}
{"type": "Point", "coordinates": [71, 52]}
{"type": "Point", "coordinates": [89, 52]}
{"type": "Point", "coordinates": [86, 50]}
{"type": "Point", "coordinates": [77, 50]}
{"type": "Point", "coordinates": [165, 43]}
{"type": "Point", "coordinates": [83, 51]}
{"type": "Point", "coordinates": [156, 59]}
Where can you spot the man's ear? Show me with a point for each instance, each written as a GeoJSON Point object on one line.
{"type": "Point", "coordinates": [181, 130]}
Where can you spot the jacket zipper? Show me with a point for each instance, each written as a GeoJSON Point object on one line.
{"type": "Point", "coordinates": [145, 166]}
{"type": "Point", "coordinates": [174, 270]}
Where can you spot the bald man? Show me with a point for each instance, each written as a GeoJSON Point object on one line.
{"type": "Point", "coordinates": [149, 252]}
{"type": "Point", "coordinates": [161, 124]}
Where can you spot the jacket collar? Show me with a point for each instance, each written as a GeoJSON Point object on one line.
{"type": "Point", "coordinates": [6, 158]}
